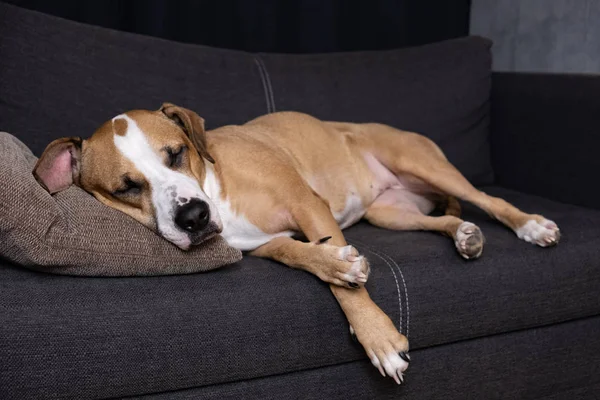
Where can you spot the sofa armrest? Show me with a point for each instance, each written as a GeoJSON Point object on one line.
{"type": "Point", "coordinates": [546, 135]}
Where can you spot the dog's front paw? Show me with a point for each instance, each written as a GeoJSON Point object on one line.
{"type": "Point", "coordinates": [342, 266]}
{"type": "Point", "coordinates": [540, 231]}
{"type": "Point", "coordinates": [469, 240]}
{"type": "Point", "coordinates": [386, 347]}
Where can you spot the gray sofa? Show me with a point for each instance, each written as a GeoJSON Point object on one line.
{"type": "Point", "coordinates": [521, 322]}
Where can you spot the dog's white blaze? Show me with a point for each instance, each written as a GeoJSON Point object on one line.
{"type": "Point", "coordinates": [167, 186]}
{"type": "Point", "coordinates": [237, 230]}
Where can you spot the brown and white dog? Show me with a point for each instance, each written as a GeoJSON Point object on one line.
{"type": "Point", "coordinates": [283, 174]}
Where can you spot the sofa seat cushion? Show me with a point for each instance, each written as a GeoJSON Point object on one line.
{"type": "Point", "coordinates": [514, 285]}
{"type": "Point", "coordinates": [108, 337]}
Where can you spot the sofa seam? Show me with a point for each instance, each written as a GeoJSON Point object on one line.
{"type": "Point", "coordinates": [405, 290]}
{"type": "Point", "coordinates": [268, 76]}
{"type": "Point", "coordinates": [269, 85]}
{"type": "Point", "coordinates": [266, 80]}
{"type": "Point", "coordinates": [264, 83]}
{"type": "Point", "coordinates": [370, 249]}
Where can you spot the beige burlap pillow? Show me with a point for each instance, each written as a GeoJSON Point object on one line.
{"type": "Point", "coordinates": [72, 233]}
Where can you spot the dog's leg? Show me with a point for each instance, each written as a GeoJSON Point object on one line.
{"type": "Point", "coordinates": [341, 266]}
{"type": "Point", "coordinates": [467, 236]}
{"type": "Point", "coordinates": [532, 228]}
{"type": "Point", "coordinates": [411, 154]}
{"type": "Point", "coordinates": [386, 347]}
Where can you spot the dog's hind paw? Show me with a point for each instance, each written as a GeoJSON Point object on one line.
{"type": "Point", "coordinates": [469, 240]}
{"type": "Point", "coordinates": [543, 232]}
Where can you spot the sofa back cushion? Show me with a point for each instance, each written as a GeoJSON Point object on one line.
{"type": "Point", "coordinates": [62, 78]}
{"type": "Point", "coordinates": [441, 90]}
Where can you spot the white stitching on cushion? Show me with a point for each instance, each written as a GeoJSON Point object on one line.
{"type": "Point", "coordinates": [268, 79]}
{"type": "Point", "coordinates": [263, 79]}
{"type": "Point", "coordinates": [370, 249]}
{"type": "Point", "coordinates": [405, 290]}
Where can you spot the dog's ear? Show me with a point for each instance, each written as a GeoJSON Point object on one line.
{"type": "Point", "coordinates": [58, 167]}
{"type": "Point", "coordinates": [192, 124]}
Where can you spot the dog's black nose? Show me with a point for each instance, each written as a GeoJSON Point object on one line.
{"type": "Point", "coordinates": [193, 216]}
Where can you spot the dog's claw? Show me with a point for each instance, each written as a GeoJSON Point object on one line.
{"type": "Point", "coordinates": [401, 376]}
{"type": "Point", "coordinates": [404, 356]}
{"type": "Point", "coordinates": [353, 334]}
{"type": "Point", "coordinates": [323, 240]}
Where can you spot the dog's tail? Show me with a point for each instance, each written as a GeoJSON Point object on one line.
{"type": "Point", "coordinates": [452, 207]}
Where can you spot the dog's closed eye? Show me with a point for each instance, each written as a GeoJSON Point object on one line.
{"type": "Point", "coordinates": [175, 156]}
{"type": "Point", "coordinates": [130, 187]}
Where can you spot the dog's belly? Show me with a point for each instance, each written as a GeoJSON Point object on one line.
{"type": "Point", "coordinates": [388, 190]}
{"type": "Point", "coordinates": [351, 194]}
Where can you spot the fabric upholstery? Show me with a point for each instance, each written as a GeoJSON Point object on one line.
{"type": "Point", "coordinates": [73, 233]}
{"type": "Point", "coordinates": [258, 318]}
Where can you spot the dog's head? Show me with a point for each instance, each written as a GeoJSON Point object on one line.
{"type": "Point", "coordinates": [148, 164]}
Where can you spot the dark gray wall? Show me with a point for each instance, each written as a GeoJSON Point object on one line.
{"type": "Point", "coordinates": [540, 35]}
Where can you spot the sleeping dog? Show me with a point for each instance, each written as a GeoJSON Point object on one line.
{"type": "Point", "coordinates": [279, 175]}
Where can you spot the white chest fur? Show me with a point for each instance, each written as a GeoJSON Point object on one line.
{"type": "Point", "coordinates": [237, 230]}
